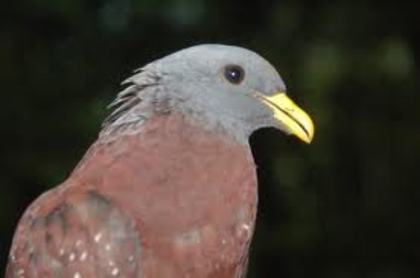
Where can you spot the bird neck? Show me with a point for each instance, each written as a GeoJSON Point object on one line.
{"type": "Point", "coordinates": [173, 134]}
{"type": "Point", "coordinates": [147, 100]}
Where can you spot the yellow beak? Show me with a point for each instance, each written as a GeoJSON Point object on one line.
{"type": "Point", "coordinates": [285, 111]}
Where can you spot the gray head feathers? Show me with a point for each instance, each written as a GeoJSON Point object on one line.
{"type": "Point", "coordinates": [193, 82]}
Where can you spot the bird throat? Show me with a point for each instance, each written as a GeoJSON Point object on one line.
{"type": "Point", "coordinates": [191, 191]}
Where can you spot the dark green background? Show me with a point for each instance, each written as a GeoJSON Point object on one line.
{"type": "Point", "coordinates": [345, 206]}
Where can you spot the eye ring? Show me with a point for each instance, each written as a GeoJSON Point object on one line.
{"type": "Point", "coordinates": [234, 74]}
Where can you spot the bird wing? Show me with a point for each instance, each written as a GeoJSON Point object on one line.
{"type": "Point", "coordinates": [75, 234]}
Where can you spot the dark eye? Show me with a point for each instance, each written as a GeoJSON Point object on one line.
{"type": "Point", "coordinates": [234, 74]}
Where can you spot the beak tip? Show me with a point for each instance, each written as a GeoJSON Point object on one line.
{"type": "Point", "coordinates": [307, 130]}
{"type": "Point", "coordinates": [306, 133]}
{"type": "Point", "coordinates": [307, 140]}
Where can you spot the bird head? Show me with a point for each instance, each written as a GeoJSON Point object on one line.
{"type": "Point", "coordinates": [225, 88]}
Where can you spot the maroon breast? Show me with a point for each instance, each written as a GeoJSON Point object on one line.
{"type": "Point", "coordinates": [191, 192]}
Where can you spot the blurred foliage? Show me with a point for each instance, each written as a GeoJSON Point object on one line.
{"type": "Point", "coordinates": [346, 206]}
